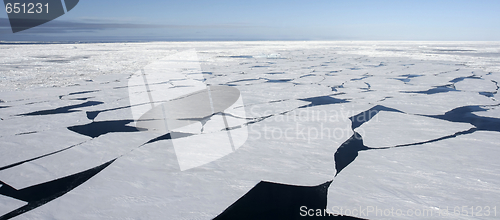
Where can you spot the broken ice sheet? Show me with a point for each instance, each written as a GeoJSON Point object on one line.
{"type": "Point", "coordinates": [435, 104]}
{"type": "Point", "coordinates": [147, 183]}
{"type": "Point", "coordinates": [304, 158]}
{"type": "Point", "coordinates": [87, 155]}
{"type": "Point", "coordinates": [388, 129]}
{"type": "Point", "coordinates": [476, 85]}
{"type": "Point", "coordinates": [29, 124]}
{"type": "Point", "coordinates": [8, 204]}
{"type": "Point", "coordinates": [31, 145]}
{"type": "Point", "coordinates": [454, 172]}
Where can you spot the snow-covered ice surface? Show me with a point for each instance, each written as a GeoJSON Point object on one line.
{"type": "Point", "coordinates": [410, 126]}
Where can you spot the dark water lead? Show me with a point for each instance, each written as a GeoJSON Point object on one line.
{"type": "Point", "coordinates": [334, 88]}
{"type": "Point", "coordinates": [82, 99]}
{"type": "Point", "coordinates": [322, 100]}
{"type": "Point", "coordinates": [488, 94]}
{"type": "Point", "coordinates": [239, 56]}
{"type": "Point", "coordinates": [36, 158]}
{"type": "Point", "coordinates": [465, 114]}
{"type": "Point", "coordinates": [98, 128]}
{"type": "Point", "coordinates": [268, 200]}
{"type": "Point", "coordinates": [83, 92]}
{"type": "Point", "coordinates": [411, 75]}
{"type": "Point", "coordinates": [359, 119]}
{"type": "Point", "coordinates": [63, 110]}
{"type": "Point", "coordinates": [348, 152]}
{"type": "Point", "coordinates": [308, 75]}
{"type": "Point", "coordinates": [242, 80]}
{"type": "Point", "coordinates": [408, 77]}
{"type": "Point", "coordinates": [40, 194]}
{"type": "Point", "coordinates": [91, 115]}
{"type": "Point", "coordinates": [278, 80]}
{"type": "Point", "coordinates": [436, 89]}
{"type": "Point", "coordinates": [169, 136]}
{"type": "Point", "coordinates": [463, 78]}
{"type": "Point", "coordinates": [364, 77]}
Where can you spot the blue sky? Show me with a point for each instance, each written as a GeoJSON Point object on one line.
{"type": "Point", "coordinates": [120, 20]}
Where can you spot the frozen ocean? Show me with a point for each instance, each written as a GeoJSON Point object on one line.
{"type": "Point", "coordinates": [250, 130]}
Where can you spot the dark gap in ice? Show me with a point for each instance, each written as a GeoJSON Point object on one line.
{"type": "Point", "coordinates": [488, 94]}
{"type": "Point", "coordinates": [470, 131]}
{"type": "Point", "coordinates": [334, 88]}
{"type": "Point", "coordinates": [209, 73]}
{"type": "Point", "coordinates": [496, 84]}
{"type": "Point", "coordinates": [410, 75]}
{"type": "Point", "coordinates": [57, 61]}
{"type": "Point", "coordinates": [278, 80]}
{"type": "Point", "coordinates": [259, 119]}
{"type": "Point", "coordinates": [169, 136]}
{"type": "Point", "coordinates": [331, 73]}
{"type": "Point", "coordinates": [82, 99]}
{"type": "Point", "coordinates": [4, 106]}
{"type": "Point", "coordinates": [47, 56]}
{"type": "Point", "coordinates": [491, 94]}
{"type": "Point", "coordinates": [274, 73]}
{"type": "Point", "coordinates": [259, 66]}
{"type": "Point", "coordinates": [202, 80]}
{"type": "Point", "coordinates": [354, 68]}
{"type": "Point", "coordinates": [364, 77]}
{"type": "Point", "coordinates": [464, 114]}
{"type": "Point", "coordinates": [243, 80]}
{"type": "Point", "coordinates": [91, 115]}
{"type": "Point", "coordinates": [24, 133]}
{"type": "Point", "coordinates": [40, 194]}
{"type": "Point", "coordinates": [387, 97]}
{"type": "Point", "coordinates": [463, 78]}
{"type": "Point", "coordinates": [435, 90]}
{"type": "Point", "coordinates": [83, 92]}
{"type": "Point", "coordinates": [361, 118]}
{"type": "Point", "coordinates": [63, 110]}
{"type": "Point", "coordinates": [455, 50]}
{"type": "Point", "coordinates": [322, 100]}
{"type": "Point", "coordinates": [98, 128]}
{"type": "Point", "coordinates": [403, 80]}
{"type": "Point", "coordinates": [36, 158]}
{"type": "Point", "coordinates": [307, 75]}
{"type": "Point", "coordinates": [32, 103]}
{"type": "Point", "coordinates": [348, 151]}
{"type": "Point", "coordinates": [268, 200]}
{"type": "Point", "coordinates": [369, 86]}
{"type": "Point", "coordinates": [240, 56]}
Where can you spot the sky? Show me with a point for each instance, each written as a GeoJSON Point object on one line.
{"type": "Point", "coordinates": [188, 20]}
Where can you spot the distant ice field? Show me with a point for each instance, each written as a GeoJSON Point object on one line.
{"type": "Point", "coordinates": [204, 130]}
